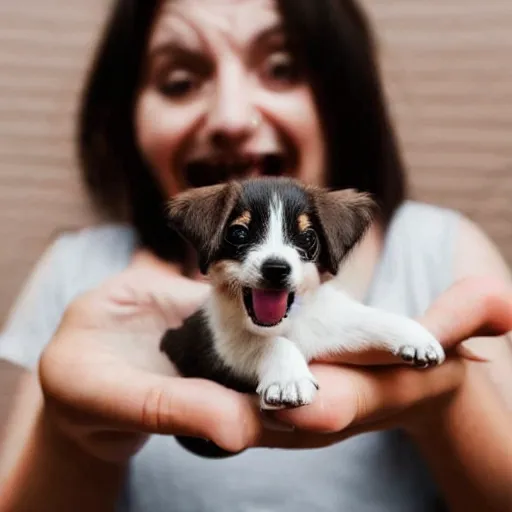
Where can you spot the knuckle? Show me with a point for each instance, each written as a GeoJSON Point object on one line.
{"type": "Point", "coordinates": [362, 406]}
{"type": "Point", "coordinates": [155, 408]}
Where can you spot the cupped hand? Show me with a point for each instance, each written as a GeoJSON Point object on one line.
{"type": "Point", "coordinates": [107, 385]}
{"type": "Point", "coordinates": [354, 399]}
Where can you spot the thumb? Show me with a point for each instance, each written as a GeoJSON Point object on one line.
{"type": "Point", "coordinates": [132, 400]}
{"type": "Point", "coordinates": [476, 306]}
{"type": "Point", "coordinates": [189, 407]}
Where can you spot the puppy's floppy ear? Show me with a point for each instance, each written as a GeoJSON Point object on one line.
{"type": "Point", "coordinates": [343, 216]}
{"type": "Point", "coordinates": [199, 215]}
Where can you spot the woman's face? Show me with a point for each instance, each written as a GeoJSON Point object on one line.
{"type": "Point", "coordinates": [222, 97]}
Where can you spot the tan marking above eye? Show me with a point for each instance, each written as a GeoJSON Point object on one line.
{"type": "Point", "coordinates": [304, 222]}
{"type": "Point", "coordinates": [243, 219]}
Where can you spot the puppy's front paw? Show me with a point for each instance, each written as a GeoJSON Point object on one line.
{"type": "Point", "coordinates": [291, 393]}
{"type": "Point", "coordinates": [423, 355]}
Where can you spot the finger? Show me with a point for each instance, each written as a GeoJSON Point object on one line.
{"type": "Point", "coordinates": [471, 307]}
{"type": "Point", "coordinates": [128, 399]}
{"type": "Point", "coordinates": [175, 296]}
{"type": "Point", "coordinates": [194, 407]}
{"type": "Point", "coordinates": [180, 294]}
{"type": "Point", "coordinates": [298, 439]}
{"type": "Point", "coordinates": [350, 397]}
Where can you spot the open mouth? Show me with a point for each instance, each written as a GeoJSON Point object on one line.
{"type": "Point", "coordinates": [205, 172]}
{"type": "Point", "coordinates": [267, 308]}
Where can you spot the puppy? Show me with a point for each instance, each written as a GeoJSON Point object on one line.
{"type": "Point", "coordinates": [265, 244]}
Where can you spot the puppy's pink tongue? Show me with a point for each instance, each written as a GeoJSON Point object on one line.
{"type": "Point", "coordinates": [269, 305]}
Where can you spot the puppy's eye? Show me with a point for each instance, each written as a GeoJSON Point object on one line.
{"type": "Point", "coordinates": [307, 239]}
{"type": "Point", "coordinates": [237, 235]}
{"type": "Point", "coordinates": [308, 244]}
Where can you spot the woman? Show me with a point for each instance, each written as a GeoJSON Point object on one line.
{"type": "Point", "coordinates": [188, 92]}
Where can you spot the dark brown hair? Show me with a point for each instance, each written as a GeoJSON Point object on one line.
{"type": "Point", "coordinates": [332, 41]}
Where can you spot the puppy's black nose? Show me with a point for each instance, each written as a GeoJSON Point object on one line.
{"type": "Point", "coordinates": [275, 271]}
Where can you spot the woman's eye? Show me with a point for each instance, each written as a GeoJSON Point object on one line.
{"type": "Point", "coordinates": [280, 69]}
{"type": "Point", "coordinates": [179, 83]}
{"type": "Point", "coordinates": [237, 235]}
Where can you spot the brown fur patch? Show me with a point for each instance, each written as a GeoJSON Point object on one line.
{"type": "Point", "coordinates": [243, 219]}
{"type": "Point", "coordinates": [201, 214]}
{"type": "Point", "coordinates": [344, 216]}
{"type": "Point", "coordinates": [219, 275]}
{"type": "Point", "coordinates": [304, 222]}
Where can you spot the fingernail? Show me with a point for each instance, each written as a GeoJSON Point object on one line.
{"type": "Point", "coordinates": [272, 423]}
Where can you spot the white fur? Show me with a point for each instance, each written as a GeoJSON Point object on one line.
{"type": "Point", "coordinates": [273, 246]}
{"type": "Point", "coordinates": [324, 321]}
{"type": "Point", "coordinates": [284, 376]}
{"type": "Point", "coordinates": [328, 322]}
{"type": "Point", "coordinates": [333, 322]}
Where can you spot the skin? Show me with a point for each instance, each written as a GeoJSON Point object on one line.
{"type": "Point", "coordinates": [73, 429]}
{"type": "Point", "coordinates": [236, 70]}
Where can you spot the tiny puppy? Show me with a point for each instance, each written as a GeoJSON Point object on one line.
{"type": "Point", "coordinates": [265, 244]}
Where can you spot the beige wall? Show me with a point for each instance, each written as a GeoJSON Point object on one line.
{"type": "Point", "coordinates": [448, 69]}
{"type": "Point", "coordinates": [44, 46]}
{"type": "Point", "coordinates": [447, 66]}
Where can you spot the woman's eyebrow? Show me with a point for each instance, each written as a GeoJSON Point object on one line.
{"type": "Point", "coordinates": [175, 46]}
{"type": "Point", "coordinates": [272, 33]}
{"type": "Point", "coordinates": [171, 50]}
{"type": "Point", "coordinates": [171, 46]}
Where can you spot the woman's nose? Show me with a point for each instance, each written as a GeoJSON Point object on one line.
{"type": "Point", "coordinates": [232, 117]}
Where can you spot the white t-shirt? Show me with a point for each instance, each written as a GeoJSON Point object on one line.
{"type": "Point", "coordinates": [374, 472]}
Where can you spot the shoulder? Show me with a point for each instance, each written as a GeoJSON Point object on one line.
{"type": "Point", "coordinates": [418, 258]}
{"type": "Point", "coordinates": [90, 255]}
{"type": "Point", "coordinates": [74, 262]}
{"type": "Point", "coordinates": [95, 238]}
{"type": "Point", "coordinates": [432, 219]}
{"type": "Point", "coordinates": [464, 244]}
{"type": "Point", "coordinates": [96, 244]}
{"type": "Point", "coordinates": [424, 233]}
{"type": "Point", "coordinates": [477, 254]}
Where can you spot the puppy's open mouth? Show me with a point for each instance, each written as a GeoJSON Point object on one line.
{"type": "Point", "coordinates": [267, 308]}
{"type": "Point", "coordinates": [205, 172]}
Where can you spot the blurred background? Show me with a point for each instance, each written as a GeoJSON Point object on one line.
{"type": "Point", "coordinates": [448, 71]}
